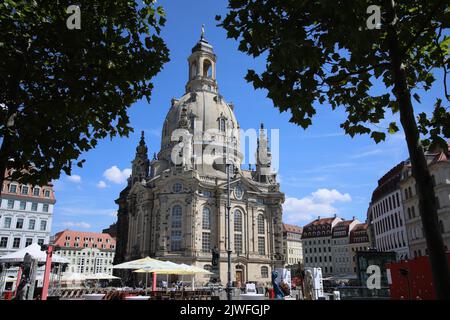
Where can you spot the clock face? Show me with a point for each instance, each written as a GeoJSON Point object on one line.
{"type": "Point", "coordinates": [238, 192]}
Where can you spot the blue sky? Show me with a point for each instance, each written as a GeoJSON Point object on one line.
{"type": "Point", "coordinates": [322, 171]}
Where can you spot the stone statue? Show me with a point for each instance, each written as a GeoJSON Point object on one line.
{"type": "Point", "coordinates": [215, 257]}
{"type": "Point", "coordinates": [276, 287]}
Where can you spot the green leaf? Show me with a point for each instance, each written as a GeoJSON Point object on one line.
{"type": "Point", "coordinates": [393, 128]}
{"type": "Point", "coordinates": [378, 136]}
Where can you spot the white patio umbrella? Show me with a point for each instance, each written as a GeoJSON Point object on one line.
{"type": "Point", "coordinates": [193, 270]}
{"type": "Point", "coordinates": [35, 251]}
{"type": "Point", "coordinates": [147, 263]}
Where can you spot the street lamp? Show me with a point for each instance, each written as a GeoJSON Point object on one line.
{"type": "Point", "coordinates": [228, 168]}
{"type": "Point", "coordinates": [228, 231]}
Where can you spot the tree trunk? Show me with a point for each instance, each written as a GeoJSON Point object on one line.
{"type": "Point", "coordinates": [420, 171]}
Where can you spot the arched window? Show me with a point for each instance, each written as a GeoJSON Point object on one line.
{"type": "Point", "coordinates": [176, 224]}
{"type": "Point", "coordinates": [237, 221]}
{"type": "Point", "coordinates": [222, 123]}
{"type": "Point", "coordinates": [264, 272]}
{"type": "Point", "coordinates": [261, 227]}
{"type": "Point", "coordinates": [207, 69]}
{"type": "Point", "coordinates": [238, 231]}
{"type": "Point", "coordinates": [176, 216]}
{"type": "Point", "coordinates": [206, 218]}
{"type": "Point", "coordinates": [194, 70]}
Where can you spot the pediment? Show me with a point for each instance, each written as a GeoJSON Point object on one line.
{"type": "Point", "coordinates": [136, 188]}
{"type": "Point", "coordinates": [246, 184]}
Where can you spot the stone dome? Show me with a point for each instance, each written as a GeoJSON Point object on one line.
{"type": "Point", "coordinates": [201, 110]}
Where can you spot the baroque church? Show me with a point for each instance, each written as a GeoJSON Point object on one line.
{"type": "Point", "coordinates": [176, 209]}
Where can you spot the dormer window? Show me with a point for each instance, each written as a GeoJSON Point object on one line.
{"type": "Point", "coordinates": [12, 188]}
{"type": "Point", "coordinates": [24, 190]}
{"type": "Point", "coordinates": [36, 192]}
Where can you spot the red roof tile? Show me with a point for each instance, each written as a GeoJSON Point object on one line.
{"type": "Point", "coordinates": [67, 239]}
{"type": "Point", "coordinates": [292, 228]}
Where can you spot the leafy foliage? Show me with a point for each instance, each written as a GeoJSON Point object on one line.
{"type": "Point", "coordinates": [323, 52]}
{"type": "Point", "coordinates": [63, 90]}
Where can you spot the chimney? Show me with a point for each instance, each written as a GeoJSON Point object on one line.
{"type": "Point", "coordinates": [335, 215]}
{"type": "Point", "coordinates": [318, 217]}
{"type": "Point", "coordinates": [353, 218]}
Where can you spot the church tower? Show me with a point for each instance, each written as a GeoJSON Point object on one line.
{"type": "Point", "coordinates": [202, 67]}
{"type": "Point", "coordinates": [140, 164]}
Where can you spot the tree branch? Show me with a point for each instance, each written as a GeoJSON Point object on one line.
{"type": "Point", "coordinates": [443, 63]}
{"type": "Point", "coordinates": [424, 25]}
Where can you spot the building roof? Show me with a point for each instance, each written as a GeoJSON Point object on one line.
{"type": "Point", "coordinates": [435, 154]}
{"type": "Point", "coordinates": [360, 226]}
{"type": "Point", "coordinates": [320, 221]}
{"type": "Point", "coordinates": [359, 233]}
{"type": "Point", "coordinates": [341, 228]}
{"type": "Point", "coordinates": [388, 182]}
{"type": "Point", "coordinates": [292, 228]}
{"type": "Point", "coordinates": [26, 194]}
{"type": "Point", "coordinates": [68, 239]}
{"type": "Point", "coordinates": [321, 227]}
{"type": "Point", "coordinates": [345, 223]}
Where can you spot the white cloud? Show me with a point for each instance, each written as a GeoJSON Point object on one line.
{"type": "Point", "coordinates": [115, 175]}
{"type": "Point", "coordinates": [367, 153]}
{"type": "Point", "coordinates": [318, 203]}
{"type": "Point", "coordinates": [74, 178]}
{"type": "Point", "coordinates": [330, 196]}
{"type": "Point", "coordinates": [80, 224]}
{"type": "Point", "coordinates": [101, 184]}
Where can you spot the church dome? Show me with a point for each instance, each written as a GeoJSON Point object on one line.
{"type": "Point", "coordinates": [201, 110]}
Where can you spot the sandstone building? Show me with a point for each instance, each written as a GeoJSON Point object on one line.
{"type": "Point", "coordinates": [174, 206]}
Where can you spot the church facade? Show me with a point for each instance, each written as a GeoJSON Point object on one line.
{"type": "Point", "coordinates": [175, 205]}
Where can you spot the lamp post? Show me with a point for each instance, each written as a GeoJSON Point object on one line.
{"type": "Point", "coordinates": [228, 168]}
{"type": "Point", "coordinates": [229, 229]}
